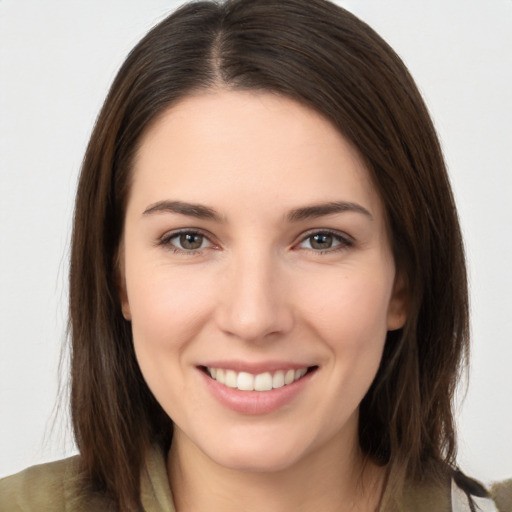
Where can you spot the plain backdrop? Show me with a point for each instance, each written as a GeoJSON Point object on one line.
{"type": "Point", "coordinates": [57, 59]}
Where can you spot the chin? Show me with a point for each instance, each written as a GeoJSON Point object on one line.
{"type": "Point", "coordinates": [257, 457]}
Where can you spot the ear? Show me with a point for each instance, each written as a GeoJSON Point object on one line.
{"type": "Point", "coordinates": [119, 266]}
{"type": "Point", "coordinates": [398, 303]}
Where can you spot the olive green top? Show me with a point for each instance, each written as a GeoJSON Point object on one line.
{"type": "Point", "coordinates": [52, 488]}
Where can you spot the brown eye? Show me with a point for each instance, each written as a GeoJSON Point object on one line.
{"type": "Point", "coordinates": [321, 241]}
{"type": "Point", "coordinates": [191, 241]}
{"type": "Point", "coordinates": [185, 242]}
{"type": "Point", "coordinates": [325, 241]}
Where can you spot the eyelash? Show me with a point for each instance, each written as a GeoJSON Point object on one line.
{"type": "Point", "coordinates": [343, 241]}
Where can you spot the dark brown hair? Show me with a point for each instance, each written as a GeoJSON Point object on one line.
{"type": "Point", "coordinates": [322, 56]}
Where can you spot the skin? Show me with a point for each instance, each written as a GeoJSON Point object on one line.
{"type": "Point", "coordinates": [259, 289]}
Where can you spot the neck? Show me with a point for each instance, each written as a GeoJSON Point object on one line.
{"type": "Point", "coordinates": [333, 478]}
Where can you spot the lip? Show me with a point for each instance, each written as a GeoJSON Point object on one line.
{"type": "Point", "coordinates": [255, 402]}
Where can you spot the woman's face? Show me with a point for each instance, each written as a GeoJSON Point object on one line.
{"type": "Point", "coordinates": [258, 278]}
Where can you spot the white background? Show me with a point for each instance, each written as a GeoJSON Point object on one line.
{"type": "Point", "coordinates": [57, 59]}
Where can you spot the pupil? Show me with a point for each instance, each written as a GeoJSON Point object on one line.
{"type": "Point", "coordinates": [321, 241]}
{"type": "Point", "coordinates": [191, 241]}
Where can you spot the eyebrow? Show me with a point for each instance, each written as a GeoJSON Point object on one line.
{"type": "Point", "coordinates": [322, 209]}
{"type": "Point", "coordinates": [200, 211]}
{"type": "Point", "coordinates": [190, 209]}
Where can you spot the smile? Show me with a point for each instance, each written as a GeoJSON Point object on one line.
{"type": "Point", "coordinates": [266, 381]}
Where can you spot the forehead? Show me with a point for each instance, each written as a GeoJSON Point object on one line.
{"type": "Point", "coordinates": [237, 146]}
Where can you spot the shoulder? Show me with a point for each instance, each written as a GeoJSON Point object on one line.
{"type": "Point", "coordinates": [470, 495]}
{"type": "Point", "coordinates": [457, 494]}
{"type": "Point", "coordinates": [44, 488]}
{"type": "Point", "coordinates": [501, 492]}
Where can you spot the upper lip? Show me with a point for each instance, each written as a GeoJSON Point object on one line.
{"type": "Point", "coordinates": [255, 368]}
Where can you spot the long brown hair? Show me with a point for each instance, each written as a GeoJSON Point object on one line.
{"type": "Point", "coordinates": [323, 56]}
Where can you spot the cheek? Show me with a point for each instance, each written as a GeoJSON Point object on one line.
{"type": "Point", "coordinates": [345, 313]}
{"type": "Point", "coordinates": [168, 310]}
{"type": "Point", "coordinates": [349, 310]}
{"type": "Point", "coordinates": [349, 315]}
{"type": "Point", "coordinates": [165, 304]}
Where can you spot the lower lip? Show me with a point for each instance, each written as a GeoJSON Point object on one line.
{"type": "Point", "coordinates": [255, 402]}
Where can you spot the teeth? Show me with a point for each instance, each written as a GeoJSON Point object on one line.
{"type": "Point", "coordinates": [278, 379]}
{"type": "Point", "coordinates": [230, 379]}
{"type": "Point", "coordinates": [261, 382]}
{"type": "Point", "coordinates": [245, 381]}
{"type": "Point", "coordinates": [301, 373]}
{"type": "Point", "coordinates": [290, 375]}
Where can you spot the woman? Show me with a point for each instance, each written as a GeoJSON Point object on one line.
{"type": "Point", "coordinates": [268, 296]}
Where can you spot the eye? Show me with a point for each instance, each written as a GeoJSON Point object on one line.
{"type": "Point", "coordinates": [185, 241]}
{"type": "Point", "coordinates": [325, 241]}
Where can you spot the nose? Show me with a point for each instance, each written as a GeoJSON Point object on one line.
{"type": "Point", "coordinates": [254, 305]}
